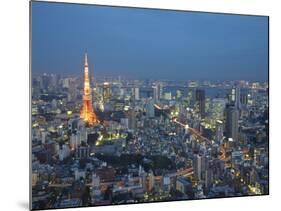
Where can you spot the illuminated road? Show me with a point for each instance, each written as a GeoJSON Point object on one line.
{"type": "Point", "coordinates": [185, 172]}
{"type": "Point", "coordinates": [193, 131]}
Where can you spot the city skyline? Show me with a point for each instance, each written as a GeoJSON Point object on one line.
{"type": "Point", "coordinates": [116, 133]}
{"type": "Point", "coordinates": [150, 44]}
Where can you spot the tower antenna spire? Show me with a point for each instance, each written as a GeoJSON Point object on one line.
{"type": "Point", "coordinates": [86, 59]}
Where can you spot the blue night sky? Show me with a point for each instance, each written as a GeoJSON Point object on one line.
{"type": "Point", "coordinates": [142, 43]}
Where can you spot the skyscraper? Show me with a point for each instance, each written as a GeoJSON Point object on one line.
{"type": "Point", "coordinates": [244, 99]}
{"type": "Point", "coordinates": [87, 112]}
{"type": "Point", "coordinates": [200, 99]}
{"type": "Point", "coordinates": [235, 97]}
{"type": "Point", "coordinates": [231, 126]}
{"type": "Point", "coordinates": [197, 166]}
{"type": "Point", "coordinates": [106, 92]}
{"type": "Point", "coordinates": [136, 93]}
{"type": "Point", "coordinates": [157, 91]}
{"type": "Point", "coordinates": [219, 130]}
{"type": "Point", "coordinates": [132, 119]}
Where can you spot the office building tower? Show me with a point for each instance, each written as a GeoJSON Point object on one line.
{"type": "Point", "coordinates": [235, 97]}
{"type": "Point", "coordinates": [200, 99]}
{"type": "Point", "coordinates": [219, 130]}
{"type": "Point", "coordinates": [208, 174]}
{"type": "Point", "coordinates": [132, 119]}
{"type": "Point", "coordinates": [244, 99]}
{"type": "Point", "coordinates": [157, 91]}
{"type": "Point", "coordinates": [136, 92]}
{"type": "Point", "coordinates": [197, 166]}
{"type": "Point", "coordinates": [231, 125]}
{"type": "Point", "coordinates": [106, 92]}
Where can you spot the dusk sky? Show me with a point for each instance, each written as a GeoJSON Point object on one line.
{"type": "Point", "coordinates": [146, 43]}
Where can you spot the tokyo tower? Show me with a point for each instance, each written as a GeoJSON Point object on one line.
{"type": "Point", "coordinates": [87, 111]}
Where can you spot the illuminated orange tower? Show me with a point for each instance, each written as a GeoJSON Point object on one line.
{"type": "Point", "coordinates": [87, 112]}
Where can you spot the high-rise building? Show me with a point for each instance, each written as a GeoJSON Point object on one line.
{"type": "Point", "coordinates": [132, 119]}
{"type": "Point", "coordinates": [53, 80]}
{"type": "Point", "coordinates": [157, 91]}
{"type": "Point", "coordinates": [96, 193]}
{"type": "Point", "coordinates": [235, 97]}
{"type": "Point", "coordinates": [244, 99]}
{"type": "Point", "coordinates": [106, 92]}
{"type": "Point", "coordinates": [136, 91]}
{"type": "Point", "coordinates": [219, 130]}
{"type": "Point", "coordinates": [45, 81]}
{"type": "Point", "coordinates": [87, 112]}
{"type": "Point", "coordinates": [201, 100]}
{"type": "Point", "coordinates": [75, 141]}
{"type": "Point", "coordinates": [208, 173]}
{"type": "Point", "coordinates": [231, 125]}
{"type": "Point", "coordinates": [197, 166]}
